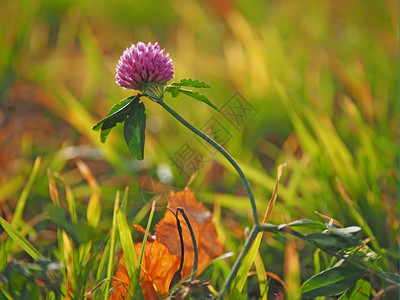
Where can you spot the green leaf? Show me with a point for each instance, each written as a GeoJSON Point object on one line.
{"type": "Point", "coordinates": [328, 241]}
{"type": "Point", "coordinates": [201, 97]}
{"type": "Point", "coordinates": [19, 239]}
{"type": "Point", "coordinates": [347, 233]}
{"type": "Point", "coordinates": [134, 129]}
{"type": "Point", "coordinates": [304, 223]}
{"type": "Point", "coordinates": [361, 291]}
{"type": "Point", "coordinates": [389, 277]}
{"type": "Point", "coordinates": [121, 105]}
{"type": "Point", "coordinates": [332, 282]}
{"type": "Point", "coordinates": [118, 117]}
{"type": "Point", "coordinates": [117, 114]}
{"type": "Point", "coordinates": [191, 83]}
{"type": "Point", "coordinates": [346, 230]}
{"type": "Point", "coordinates": [363, 256]}
{"type": "Point", "coordinates": [104, 134]}
{"type": "Point", "coordinates": [173, 90]}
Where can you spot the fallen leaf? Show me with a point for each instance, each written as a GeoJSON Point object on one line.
{"type": "Point", "coordinates": [162, 256]}
{"type": "Point", "coordinates": [209, 245]}
{"type": "Point", "coordinates": [158, 268]}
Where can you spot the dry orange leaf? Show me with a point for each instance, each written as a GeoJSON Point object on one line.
{"type": "Point", "coordinates": [162, 256]}
{"type": "Point", "coordinates": [209, 245]}
{"type": "Point", "coordinates": [158, 267]}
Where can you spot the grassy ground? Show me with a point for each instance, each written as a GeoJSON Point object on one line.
{"type": "Point", "coordinates": [320, 82]}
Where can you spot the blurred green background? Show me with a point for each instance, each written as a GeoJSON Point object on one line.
{"type": "Point", "coordinates": [322, 79]}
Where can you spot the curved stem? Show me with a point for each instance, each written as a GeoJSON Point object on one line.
{"type": "Point", "coordinates": [221, 150]}
{"type": "Point", "coordinates": [179, 227]}
{"type": "Point", "coordinates": [196, 255]}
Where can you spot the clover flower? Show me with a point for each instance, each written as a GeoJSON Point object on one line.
{"type": "Point", "coordinates": [146, 69]}
{"type": "Point", "coordinates": [141, 65]}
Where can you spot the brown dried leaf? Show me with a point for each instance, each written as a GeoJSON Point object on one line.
{"type": "Point", "coordinates": [158, 268]}
{"type": "Point", "coordinates": [209, 245]}
{"type": "Point", "coordinates": [275, 193]}
{"type": "Point", "coordinates": [54, 196]}
{"type": "Point", "coordinates": [335, 222]}
{"type": "Point", "coordinates": [162, 256]}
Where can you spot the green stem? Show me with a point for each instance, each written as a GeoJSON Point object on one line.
{"type": "Point", "coordinates": [221, 150]}
{"type": "Point", "coordinates": [227, 285]}
{"type": "Point", "coordinates": [252, 236]}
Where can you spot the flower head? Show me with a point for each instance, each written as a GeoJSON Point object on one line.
{"type": "Point", "coordinates": [143, 64]}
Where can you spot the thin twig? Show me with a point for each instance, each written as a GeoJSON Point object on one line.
{"type": "Point", "coordinates": [384, 291]}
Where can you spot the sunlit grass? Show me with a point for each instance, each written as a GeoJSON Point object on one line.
{"type": "Point", "coordinates": [322, 77]}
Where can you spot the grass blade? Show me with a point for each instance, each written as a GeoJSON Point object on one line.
{"type": "Point", "coordinates": [153, 206]}
{"type": "Point", "coordinates": [109, 253]}
{"type": "Point", "coordinates": [19, 239]}
{"type": "Point", "coordinates": [127, 243]}
{"type": "Point", "coordinates": [68, 253]}
{"type": "Point", "coordinates": [94, 206]}
{"type": "Point", "coordinates": [129, 250]}
{"type": "Point", "coordinates": [292, 270]}
{"type": "Point", "coordinates": [25, 193]}
{"type": "Point", "coordinates": [261, 276]}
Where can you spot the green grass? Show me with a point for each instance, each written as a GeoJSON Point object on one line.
{"type": "Point", "coordinates": [322, 78]}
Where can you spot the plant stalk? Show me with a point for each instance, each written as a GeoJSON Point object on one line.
{"type": "Point", "coordinates": [228, 282]}
{"type": "Point", "coordinates": [257, 229]}
{"type": "Point", "coordinates": [221, 150]}
{"type": "Point", "coordinates": [196, 254]}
